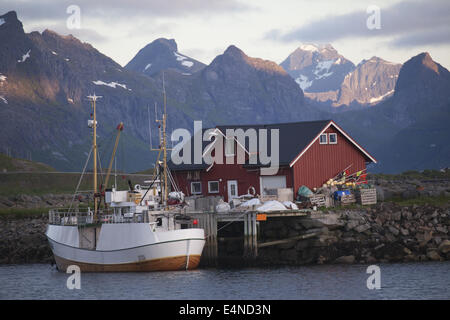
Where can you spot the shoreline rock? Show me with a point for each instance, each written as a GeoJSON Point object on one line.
{"type": "Point", "coordinates": [385, 232]}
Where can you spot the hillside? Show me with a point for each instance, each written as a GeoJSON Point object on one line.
{"type": "Point", "coordinates": [9, 164]}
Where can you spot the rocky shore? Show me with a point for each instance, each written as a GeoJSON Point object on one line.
{"type": "Point", "coordinates": [23, 240]}
{"type": "Point", "coordinates": [41, 201]}
{"type": "Point", "coordinates": [385, 232]}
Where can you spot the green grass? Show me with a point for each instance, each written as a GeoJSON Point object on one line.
{"type": "Point", "coordinates": [436, 201]}
{"type": "Point", "coordinates": [14, 164]}
{"type": "Point", "coordinates": [412, 174]}
{"type": "Point", "coordinates": [23, 213]}
{"type": "Point", "coordinates": [56, 183]}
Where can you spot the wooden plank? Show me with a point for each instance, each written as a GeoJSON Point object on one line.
{"type": "Point", "coordinates": [276, 242]}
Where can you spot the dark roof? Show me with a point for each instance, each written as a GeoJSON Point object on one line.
{"type": "Point", "coordinates": [293, 138]}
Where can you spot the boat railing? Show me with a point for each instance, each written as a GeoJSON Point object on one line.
{"type": "Point", "coordinates": [77, 217]}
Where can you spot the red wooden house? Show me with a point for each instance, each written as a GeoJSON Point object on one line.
{"type": "Point", "coordinates": [310, 153]}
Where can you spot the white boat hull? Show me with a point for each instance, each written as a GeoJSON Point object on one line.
{"type": "Point", "coordinates": [127, 247]}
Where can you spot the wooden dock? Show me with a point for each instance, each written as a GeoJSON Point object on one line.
{"type": "Point", "coordinates": [209, 221]}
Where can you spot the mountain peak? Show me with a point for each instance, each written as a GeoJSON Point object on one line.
{"type": "Point", "coordinates": [422, 69]}
{"type": "Point", "coordinates": [317, 67]}
{"type": "Point", "coordinates": [427, 61]}
{"type": "Point", "coordinates": [234, 55]}
{"type": "Point", "coordinates": [234, 51]}
{"type": "Point", "coordinates": [10, 16]}
{"type": "Point", "coordinates": [162, 54]}
{"type": "Point", "coordinates": [313, 47]}
{"type": "Point", "coordinates": [170, 43]}
{"type": "Point", "coordinates": [9, 22]}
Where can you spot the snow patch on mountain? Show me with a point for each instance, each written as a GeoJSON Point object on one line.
{"type": "Point", "coordinates": [111, 84]}
{"type": "Point", "coordinates": [179, 56]}
{"type": "Point", "coordinates": [2, 21]}
{"type": "Point", "coordinates": [182, 59]}
{"type": "Point", "coordinates": [147, 66]}
{"type": "Point", "coordinates": [2, 78]}
{"type": "Point", "coordinates": [303, 82]}
{"type": "Point", "coordinates": [188, 64]}
{"type": "Point", "coordinates": [4, 99]}
{"type": "Point", "coordinates": [322, 69]}
{"type": "Point", "coordinates": [377, 99]}
{"type": "Point", "coordinates": [53, 52]}
{"type": "Point", "coordinates": [309, 47]}
{"type": "Point", "coordinates": [25, 57]}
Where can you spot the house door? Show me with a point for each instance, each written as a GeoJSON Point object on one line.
{"type": "Point", "coordinates": [232, 189]}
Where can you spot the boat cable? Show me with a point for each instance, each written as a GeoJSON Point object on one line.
{"type": "Point", "coordinates": [81, 178]}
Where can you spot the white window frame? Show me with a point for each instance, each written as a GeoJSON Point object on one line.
{"type": "Point", "coordinates": [209, 186]}
{"type": "Point", "coordinates": [192, 189]}
{"type": "Point", "coordinates": [329, 138]}
{"type": "Point", "coordinates": [326, 138]}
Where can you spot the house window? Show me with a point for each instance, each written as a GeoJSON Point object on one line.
{"type": "Point", "coordinates": [333, 138]}
{"type": "Point", "coordinates": [196, 187]}
{"type": "Point", "coordinates": [323, 138]}
{"type": "Point", "coordinates": [213, 186]}
{"type": "Point", "coordinates": [229, 147]}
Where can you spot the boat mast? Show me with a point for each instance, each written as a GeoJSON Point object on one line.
{"type": "Point", "coordinates": [164, 146]}
{"type": "Point", "coordinates": [93, 99]}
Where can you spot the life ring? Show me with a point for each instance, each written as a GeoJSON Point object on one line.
{"type": "Point", "coordinates": [137, 187]}
{"type": "Point", "coordinates": [251, 188]}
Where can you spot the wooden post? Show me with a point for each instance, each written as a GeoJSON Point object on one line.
{"type": "Point", "coordinates": [250, 236]}
{"type": "Point", "coordinates": [255, 235]}
{"type": "Point", "coordinates": [208, 222]}
{"type": "Point", "coordinates": [245, 237]}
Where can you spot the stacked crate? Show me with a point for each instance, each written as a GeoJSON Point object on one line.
{"type": "Point", "coordinates": [318, 200]}
{"type": "Point", "coordinates": [348, 199]}
{"type": "Point", "coordinates": [367, 196]}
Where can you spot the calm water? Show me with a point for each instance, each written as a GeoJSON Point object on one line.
{"type": "Point", "coordinates": [398, 281]}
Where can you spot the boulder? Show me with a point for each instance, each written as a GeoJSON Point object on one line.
{"type": "Point", "coordinates": [410, 194]}
{"type": "Point", "coordinates": [345, 260]}
{"type": "Point", "coordinates": [441, 229]}
{"type": "Point", "coordinates": [397, 216]}
{"type": "Point", "coordinates": [404, 232]}
{"type": "Point", "coordinates": [444, 247]}
{"type": "Point", "coordinates": [393, 230]}
{"type": "Point", "coordinates": [362, 228]}
{"type": "Point", "coordinates": [310, 223]}
{"type": "Point", "coordinates": [380, 193]}
{"type": "Point", "coordinates": [434, 255]}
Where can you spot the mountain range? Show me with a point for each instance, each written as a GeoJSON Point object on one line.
{"type": "Point", "coordinates": [400, 112]}
{"type": "Point", "coordinates": [326, 76]}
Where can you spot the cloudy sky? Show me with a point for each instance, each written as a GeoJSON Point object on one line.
{"type": "Point", "coordinates": [262, 28]}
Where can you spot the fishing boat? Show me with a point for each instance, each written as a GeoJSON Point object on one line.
{"type": "Point", "coordinates": [138, 229]}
